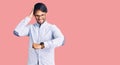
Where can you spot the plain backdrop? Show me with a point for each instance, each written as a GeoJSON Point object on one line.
{"type": "Point", "coordinates": [91, 29]}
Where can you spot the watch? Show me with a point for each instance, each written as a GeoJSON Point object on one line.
{"type": "Point", "coordinates": [42, 45]}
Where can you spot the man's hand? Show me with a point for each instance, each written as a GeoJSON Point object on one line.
{"type": "Point", "coordinates": [36, 46]}
{"type": "Point", "coordinates": [31, 14]}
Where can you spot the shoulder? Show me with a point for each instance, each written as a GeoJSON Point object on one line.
{"type": "Point", "coordinates": [52, 26]}
{"type": "Point", "coordinates": [33, 25]}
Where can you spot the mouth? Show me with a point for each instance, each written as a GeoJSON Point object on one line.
{"type": "Point", "coordinates": [40, 20]}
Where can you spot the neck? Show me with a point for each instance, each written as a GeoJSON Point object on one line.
{"type": "Point", "coordinates": [40, 23]}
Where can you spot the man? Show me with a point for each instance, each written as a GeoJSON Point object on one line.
{"type": "Point", "coordinates": [44, 37]}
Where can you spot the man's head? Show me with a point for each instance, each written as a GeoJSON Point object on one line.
{"type": "Point", "coordinates": [39, 12]}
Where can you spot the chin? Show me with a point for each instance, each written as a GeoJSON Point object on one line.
{"type": "Point", "coordinates": [40, 22]}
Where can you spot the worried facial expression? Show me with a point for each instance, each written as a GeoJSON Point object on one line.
{"type": "Point", "coordinates": [40, 16]}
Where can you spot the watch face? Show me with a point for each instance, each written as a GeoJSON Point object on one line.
{"type": "Point", "coordinates": [41, 43]}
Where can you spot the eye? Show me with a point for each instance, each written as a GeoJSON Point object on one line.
{"type": "Point", "coordinates": [37, 15]}
{"type": "Point", "coordinates": [42, 15]}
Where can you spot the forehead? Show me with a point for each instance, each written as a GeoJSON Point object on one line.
{"type": "Point", "coordinates": [39, 12]}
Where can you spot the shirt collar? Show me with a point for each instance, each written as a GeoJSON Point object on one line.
{"type": "Point", "coordinates": [39, 25]}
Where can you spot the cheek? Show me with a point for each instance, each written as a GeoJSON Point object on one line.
{"type": "Point", "coordinates": [44, 18]}
{"type": "Point", "coordinates": [36, 18]}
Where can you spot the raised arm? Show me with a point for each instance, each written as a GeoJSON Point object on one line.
{"type": "Point", "coordinates": [22, 29]}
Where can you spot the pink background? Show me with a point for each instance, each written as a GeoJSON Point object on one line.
{"type": "Point", "coordinates": [91, 29]}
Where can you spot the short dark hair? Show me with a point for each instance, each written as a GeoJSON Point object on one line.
{"type": "Point", "coordinates": [40, 6]}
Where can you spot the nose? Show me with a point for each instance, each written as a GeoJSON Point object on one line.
{"type": "Point", "coordinates": [39, 18]}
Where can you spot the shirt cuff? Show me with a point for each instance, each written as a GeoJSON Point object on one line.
{"type": "Point", "coordinates": [46, 44]}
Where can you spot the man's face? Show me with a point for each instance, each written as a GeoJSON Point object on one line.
{"type": "Point", "coordinates": [40, 16]}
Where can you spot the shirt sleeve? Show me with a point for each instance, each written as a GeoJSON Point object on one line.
{"type": "Point", "coordinates": [22, 29]}
{"type": "Point", "coordinates": [58, 38]}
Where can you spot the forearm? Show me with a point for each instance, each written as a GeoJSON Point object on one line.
{"type": "Point", "coordinates": [54, 43]}
{"type": "Point", "coordinates": [58, 38]}
{"type": "Point", "coordinates": [22, 28]}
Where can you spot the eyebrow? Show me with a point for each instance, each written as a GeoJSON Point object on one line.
{"type": "Point", "coordinates": [40, 15]}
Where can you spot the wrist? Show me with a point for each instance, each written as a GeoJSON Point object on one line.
{"type": "Point", "coordinates": [42, 45]}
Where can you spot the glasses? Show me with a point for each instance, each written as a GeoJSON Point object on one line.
{"type": "Point", "coordinates": [40, 15]}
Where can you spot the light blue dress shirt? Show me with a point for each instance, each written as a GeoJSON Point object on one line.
{"type": "Point", "coordinates": [47, 33]}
